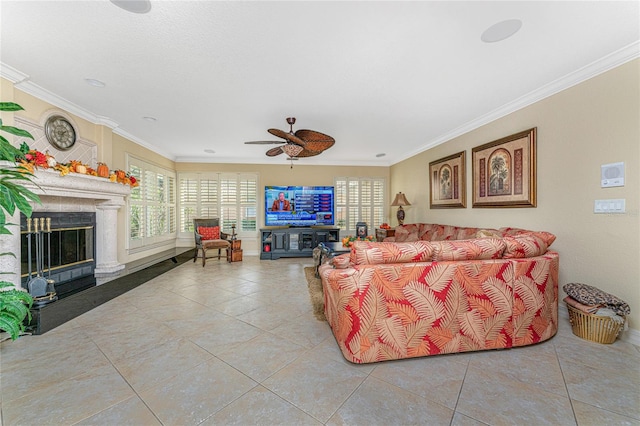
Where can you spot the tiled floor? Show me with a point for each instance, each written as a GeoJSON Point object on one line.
{"type": "Point", "coordinates": [237, 344]}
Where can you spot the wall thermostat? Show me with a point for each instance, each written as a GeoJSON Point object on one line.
{"type": "Point", "coordinates": [612, 175]}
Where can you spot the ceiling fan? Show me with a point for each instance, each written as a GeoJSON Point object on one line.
{"type": "Point", "coordinates": [302, 143]}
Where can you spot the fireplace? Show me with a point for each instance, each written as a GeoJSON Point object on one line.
{"type": "Point", "coordinates": [68, 197]}
{"type": "Point", "coordinates": [68, 250]}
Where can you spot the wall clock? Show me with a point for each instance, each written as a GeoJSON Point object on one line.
{"type": "Point", "coordinates": [60, 133]}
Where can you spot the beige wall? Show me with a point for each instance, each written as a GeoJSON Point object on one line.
{"type": "Point", "coordinates": [596, 122]}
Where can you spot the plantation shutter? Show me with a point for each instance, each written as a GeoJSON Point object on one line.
{"type": "Point", "coordinates": [231, 197]}
{"type": "Point", "coordinates": [152, 204]}
{"type": "Point", "coordinates": [359, 200]}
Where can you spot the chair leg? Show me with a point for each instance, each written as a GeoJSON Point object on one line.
{"type": "Point", "coordinates": [204, 256]}
{"type": "Point", "coordinates": [195, 255]}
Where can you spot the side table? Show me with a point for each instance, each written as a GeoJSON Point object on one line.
{"type": "Point", "coordinates": [381, 234]}
{"type": "Point", "coordinates": [234, 253]}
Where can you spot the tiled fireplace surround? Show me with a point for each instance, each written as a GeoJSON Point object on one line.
{"type": "Point", "coordinates": [74, 193]}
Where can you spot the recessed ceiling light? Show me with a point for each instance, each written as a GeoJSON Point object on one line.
{"type": "Point", "coordinates": [93, 82]}
{"type": "Point", "coordinates": [133, 6]}
{"type": "Point", "coordinates": [501, 31]}
{"type": "Point", "coordinates": [150, 119]}
{"type": "Point", "coordinates": [209, 151]}
{"type": "Point", "coordinates": [382, 154]}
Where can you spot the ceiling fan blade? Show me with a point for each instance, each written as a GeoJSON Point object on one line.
{"type": "Point", "coordinates": [263, 142]}
{"type": "Point", "coordinates": [308, 153]}
{"type": "Point", "coordinates": [274, 151]}
{"type": "Point", "coordinates": [288, 136]}
{"type": "Point", "coordinates": [315, 141]}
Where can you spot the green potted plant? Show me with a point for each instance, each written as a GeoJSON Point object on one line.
{"type": "Point", "coordinates": [14, 302]}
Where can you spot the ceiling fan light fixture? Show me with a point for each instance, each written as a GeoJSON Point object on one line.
{"type": "Point", "coordinates": [292, 150]}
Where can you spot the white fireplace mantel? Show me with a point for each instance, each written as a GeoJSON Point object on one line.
{"type": "Point", "coordinates": [71, 193]}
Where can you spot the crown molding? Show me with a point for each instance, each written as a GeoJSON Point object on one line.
{"type": "Point", "coordinates": [21, 82]}
{"type": "Point", "coordinates": [613, 60]}
{"type": "Point", "coordinates": [13, 75]}
{"type": "Point", "coordinates": [143, 143]}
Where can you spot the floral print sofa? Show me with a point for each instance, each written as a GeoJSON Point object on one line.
{"type": "Point", "coordinates": [438, 289]}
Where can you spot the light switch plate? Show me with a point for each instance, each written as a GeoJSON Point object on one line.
{"type": "Point", "coordinates": [610, 206]}
{"type": "Point", "coordinates": [612, 175]}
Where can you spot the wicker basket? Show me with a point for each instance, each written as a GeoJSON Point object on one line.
{"type": "Point", "coordinates": [600, 329]}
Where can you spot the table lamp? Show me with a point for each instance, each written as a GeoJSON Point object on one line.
{"type": "Point", "coordinates": [400, 201]}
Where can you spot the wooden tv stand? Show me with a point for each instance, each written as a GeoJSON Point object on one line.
{"type": "Point", "coordinates": [294, 242]}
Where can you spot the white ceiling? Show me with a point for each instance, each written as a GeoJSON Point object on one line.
{"type": "Point", "coordinates": [380, 77]}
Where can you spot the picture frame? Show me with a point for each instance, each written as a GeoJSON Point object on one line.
{"type": "Point", "coordinates": [504, 171]}
{"type": "Point", "coordinates": [361, 230]}
{"type": "Point", "coordinates": [447, 182]}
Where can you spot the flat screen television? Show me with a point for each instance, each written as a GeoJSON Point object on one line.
{"type": "Point", "coordinates": [299, 206]}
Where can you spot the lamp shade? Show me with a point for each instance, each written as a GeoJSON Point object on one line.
{"type": "Point", "coordinates": [292, 150]}
{"type": "Point", "coordinates": [400, 200]}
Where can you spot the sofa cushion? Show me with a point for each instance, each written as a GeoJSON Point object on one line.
{"type": "Point", "coordinates": [509, 232]}
{"type": "Point", "coordinates": [341, 261]}
{"type": "Point", "coordinates": [475, 249]}
{"type": "Point", "coordinates": [488, 233]}
{"type": "Point", "coordinates": [466, 233]}
{"type": "Point", "coordinates": [440, 233]}
{"type": "Point", "coordinates": [524, 245]}
{"type": "Point", "coordinates": [406, 233]}
{"type": "Point", "coordinates": [372, 253]}
{"type": "Point", "coordinates": [547, 237]}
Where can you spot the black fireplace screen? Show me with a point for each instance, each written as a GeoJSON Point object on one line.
{"type": "Point", "coordinates": [68, 251]}
{"type": "Point", "coordinates": [69, 246]}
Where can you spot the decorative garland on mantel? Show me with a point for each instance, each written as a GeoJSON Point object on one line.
{"type": "Point", "coordinates": [34, 159]}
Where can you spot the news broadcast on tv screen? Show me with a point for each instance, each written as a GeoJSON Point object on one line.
{"type": "Point", "coordinates": [299, 205]}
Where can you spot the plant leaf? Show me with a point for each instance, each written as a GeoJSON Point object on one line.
{"type": "Point", "coordinates": [10, 106]}
{"type": "Point", "coordinates": [15, 131]}
{"type": "Point", "coordinates": [10, 326]}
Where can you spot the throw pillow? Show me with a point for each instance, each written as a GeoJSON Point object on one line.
{"type": "Point", "coordinates": [340, 261]}
{"type": "Point", "coordinates": [371, 253]}
{"type": "Point", "coordinates": [477, 249]}
{"type": "Point", "coordinates": [488, 233]}
{"type": "Point", "coordinates": [209, 232]}
{"type": "Point", "coordinates": [524, 245]}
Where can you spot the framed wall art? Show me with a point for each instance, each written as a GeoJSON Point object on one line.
{"type": "Point", "coordinates": [447, 182]}
{"type": "Point", "coordinates": [504, 171]}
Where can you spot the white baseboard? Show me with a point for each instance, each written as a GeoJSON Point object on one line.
{"type": "Point", "coordinates": [630, 336]}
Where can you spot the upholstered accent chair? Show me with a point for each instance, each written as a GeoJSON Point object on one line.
{"type": "Point", "coordinates": [209, 236]}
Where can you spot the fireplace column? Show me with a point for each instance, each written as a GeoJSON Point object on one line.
{"type": "Point", "coordinates": [107, 265]}
{"type": "Point", "coordinates": [11, 244]}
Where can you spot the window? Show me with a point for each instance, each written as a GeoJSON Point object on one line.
{"type": "Point", "coordinates": [231, 197]}
{"type": "Point", "coordinates": [359, 200]}
{"type": "Point", "coordinates": [152, 204]}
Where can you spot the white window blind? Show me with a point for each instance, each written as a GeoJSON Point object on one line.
{"type": "Point", "coordinates": [359, 200]}
{"type": "Point", "coordinates": [152, 204]}
{"type": "Point", "coordinates": [231, 197]}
